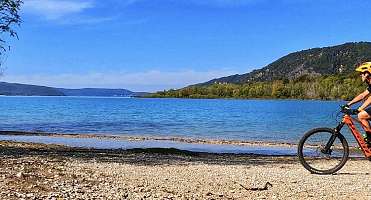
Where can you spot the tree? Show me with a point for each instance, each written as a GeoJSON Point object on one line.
{"type": "Point", "coordinates": [9, 18]}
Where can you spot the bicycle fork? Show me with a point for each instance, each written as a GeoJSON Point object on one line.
{"type": "Point", "coordinates": [327, 149]}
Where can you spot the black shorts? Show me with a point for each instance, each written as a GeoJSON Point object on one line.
{"type": "Point", "coordinates": [368, 110]}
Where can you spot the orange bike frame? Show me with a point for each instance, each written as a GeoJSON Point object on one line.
{"type": "Point", "coordinates": [349, 122]}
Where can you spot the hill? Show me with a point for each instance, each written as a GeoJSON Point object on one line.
{"type": "Point", "coordinates": [96, 92]}
{"type": "Point", "coordinates": [318, 73]}
{"type": "Point", "coordinates": [340, 59]}
{"type": "Point", "coordinates": [16, 89]}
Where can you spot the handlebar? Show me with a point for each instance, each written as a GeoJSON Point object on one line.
{"type": "Point", "coordinates": [348, 111]}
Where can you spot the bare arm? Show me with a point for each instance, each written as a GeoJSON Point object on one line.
{"type": "Point", "coordinates": [361, 97]}
{"type": "Point", "coordinates": [365, 104]}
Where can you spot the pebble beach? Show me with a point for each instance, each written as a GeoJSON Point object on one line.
{"type": "Point", "coordinates": [39, 171]}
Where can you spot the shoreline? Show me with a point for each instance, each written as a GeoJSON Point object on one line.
{"type": "Point", "coordinates": [39, 171]}
{"type": "Point", "coordinates": [100, 141]}
{"type": "Point", "coordinates": [156, 138]}
{"type": "Point", "coordinates": [125, 142]}
{"type": "Point", "coordinates": [223, 98]}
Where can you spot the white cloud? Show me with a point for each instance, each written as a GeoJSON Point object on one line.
{"type": "Point", "coordinates": [56, 9]}
{"type": "Point", "coordinates": [85, 20]}
{"type": "Point", "coordinates": [138, 81]}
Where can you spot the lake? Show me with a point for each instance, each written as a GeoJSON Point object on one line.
{"type": "Point", "coordinates": [220, 119]}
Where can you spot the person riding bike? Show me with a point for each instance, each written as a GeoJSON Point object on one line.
{"type": "Point", "coordinates": [364, 111]}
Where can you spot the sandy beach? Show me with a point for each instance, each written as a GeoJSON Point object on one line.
{"type": "Point", "coordinates": [38, 171]}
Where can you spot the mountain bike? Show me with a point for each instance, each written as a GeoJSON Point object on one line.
{"type": "Point", "coordinates": [325, 150]}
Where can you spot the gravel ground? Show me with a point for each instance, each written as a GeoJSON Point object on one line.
{"type": "Point", "coordinates": [36, 171]}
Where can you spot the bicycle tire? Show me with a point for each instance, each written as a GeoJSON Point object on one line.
{"type": "Point", "coordinates": [314, 151]}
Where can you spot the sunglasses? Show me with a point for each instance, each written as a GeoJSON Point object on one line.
{"type": "Point", "coordinates": [363, 73]}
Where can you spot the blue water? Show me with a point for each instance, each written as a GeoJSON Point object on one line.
{"type": "Point", "coordinates": [251, 120]}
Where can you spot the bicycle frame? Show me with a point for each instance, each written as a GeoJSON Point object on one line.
{"type": "Point", "coordinates": [348, 120]}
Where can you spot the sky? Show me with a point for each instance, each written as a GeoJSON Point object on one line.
{"type": "Point", "coordinates": [152, 45]}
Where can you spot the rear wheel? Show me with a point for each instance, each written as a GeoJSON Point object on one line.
{"type": "Point", "coordinates": [316, 158]}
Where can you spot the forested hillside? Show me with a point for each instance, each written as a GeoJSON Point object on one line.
{"type": "Point", "coordinates": [319, 73]}
{"type": "Point", "coordinates": [340, 59]}
{"type": "Point", "coordinates": [324, 87]}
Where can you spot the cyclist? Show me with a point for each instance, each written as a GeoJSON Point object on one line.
{"type": "Point", "coordinates": [364, 112]}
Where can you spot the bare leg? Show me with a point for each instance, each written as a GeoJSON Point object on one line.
{"type": "Point", "coordinates": [363, 116]}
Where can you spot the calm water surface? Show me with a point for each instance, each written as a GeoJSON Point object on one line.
{"type": "Point", "coordinates": [267, 120]}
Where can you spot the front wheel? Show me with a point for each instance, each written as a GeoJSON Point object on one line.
{"type": "Point", "coordinates": [323, 151]}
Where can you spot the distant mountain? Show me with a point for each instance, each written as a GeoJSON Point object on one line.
{"type": "Point", "coordinates": [16, 89]}
{"type": "Point", "coordinates": [338, 59]}
{"type": "Point", "coordinates": [96, 92]}
{"type": "Point", "coordinates": [141, 94]}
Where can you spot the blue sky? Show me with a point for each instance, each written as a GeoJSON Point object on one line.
{"type": "Point", "coordinates": [150, 45]}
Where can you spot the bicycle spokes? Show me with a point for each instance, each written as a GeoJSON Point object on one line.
{"type": "Point", "coordinates": [323, 151]}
